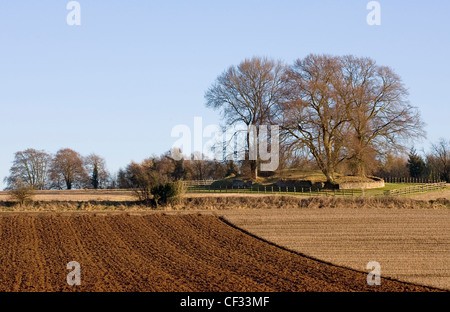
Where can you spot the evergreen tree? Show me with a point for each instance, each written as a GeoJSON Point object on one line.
{"type": "Point", "coordinates": [416, 165]}
{"type": "Point", "coordinates": [94, 180]}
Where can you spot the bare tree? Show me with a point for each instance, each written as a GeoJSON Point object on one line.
{"type": "Point", "coordinates": [315, 118]}
{"type": "Point", "coordinates": [347, 109]}
{"type": "Point", "coordinates": [143, 177]}
{"type": "Point", "coordinates": [21, 192]}
{"type": "Point", "coordinates": [441, 155]}
{"type": "Point", "coordinates": [96, 167]}
{"type": "Point", "coordinates": [31, 167]}
{"type": "Point", "coordinates": [381, 118]}
{"type": "Point", "coordinates": [392, 165]}
{"type": "Point", "coordinates": [199, 166]}
{"type": "Point", "coordinates": [122, 179]}
{"type": "Point", "coordinates": [67, 166]}
{"type": "Point", "coordinates": [248, 95]}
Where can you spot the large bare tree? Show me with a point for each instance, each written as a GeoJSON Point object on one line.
{"type": "Point", "coordinates": [30, 167]}
{"type": "Point", "coordinates": [248, 95]}
{"type": "Point", "coordinates": [381, 118]}
{"type": "Point", "coordinates": [315, 118]}
{"type": "Point", "coordinates": [346, 109]}
{"type": "Point", "coordinates": [67, 167]}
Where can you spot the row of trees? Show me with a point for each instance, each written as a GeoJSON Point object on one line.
{"type": "Point", "coordinates": [340, 110]}
{"type": "Point", "coordinates": [346, 113]}
{"type": "Point", "coordinates": [158, 180]}
{"type": "Point", "coordinates": [435, 164]}
{"type": "Point", "coordinates": [40, 170]}
{"type": "Point", "coordinates": [166, 169]}
{"type": "Point", "coordinates": [67, 169]}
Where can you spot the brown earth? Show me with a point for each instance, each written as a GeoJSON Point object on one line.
{"type": "Point", "coordinates": [411, 245]}
{"type": "Point", "coordinates": [157, 252]}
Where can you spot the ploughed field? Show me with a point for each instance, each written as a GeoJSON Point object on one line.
{"type": "Point", "coordinates": [158, 252]}
{"type": "Point", "coordinates": [411, 245]}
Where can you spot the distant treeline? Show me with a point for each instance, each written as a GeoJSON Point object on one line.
{"type": "Point", "coordinates": [67, 169]}
{"type": "Point", "coordinates": [336, 114]}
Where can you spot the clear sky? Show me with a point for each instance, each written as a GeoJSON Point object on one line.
{"type": "Point", "coordinates": [117, 84]}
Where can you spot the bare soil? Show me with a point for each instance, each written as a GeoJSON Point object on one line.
{"type": "Point", "coordinates": [158, 252]}
{"type": "Point", "coordinates": [410, 244]}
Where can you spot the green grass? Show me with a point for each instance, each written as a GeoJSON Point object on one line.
{"type": "Point", "coordinates": [314, 176]}
{"type": "Point", "coordinates": [394, 186]}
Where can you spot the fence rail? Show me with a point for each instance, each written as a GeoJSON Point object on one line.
{"type": "Point", "coordinates": [198, 183]}
{"type": "Point", "coordinates": [403, 180]}
{"type": "Point", "coordinates": [418, 189]}
{"type": "Point", "coordinates": [310, 191]}
{"type": "Point", "coordinates": [275, 190]}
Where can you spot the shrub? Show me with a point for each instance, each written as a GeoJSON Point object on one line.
{"type": "Point", "coordinates": [167, 193]}
{"type": "Point", "coordinates": [22, 193]}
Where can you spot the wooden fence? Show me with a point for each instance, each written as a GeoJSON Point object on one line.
{"type": "Point", "coordinates": [309, 191]}
{"type": "Point", "coordinates": [189, 184]}
{"type": "Point", "coordinates": [417, 189]}
{"type": "Point", "coordinates": [411, 180]}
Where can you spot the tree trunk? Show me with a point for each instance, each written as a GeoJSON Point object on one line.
{"type": "Point", "coordinates": [359, 166]}
{"type": "Point", "coordinates": [330, 175]}
{"type": "Point", "coordinates": [69, 183]}
{"type": "Point", "coordinates": [252, 145]}
{"type": "Point", "coordinates": [360, 169]}
{"type": "Point", "coordinates": [253, 169]}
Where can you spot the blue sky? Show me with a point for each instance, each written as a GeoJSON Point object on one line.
{"type": "Point", "coordinates": [119, 83]}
